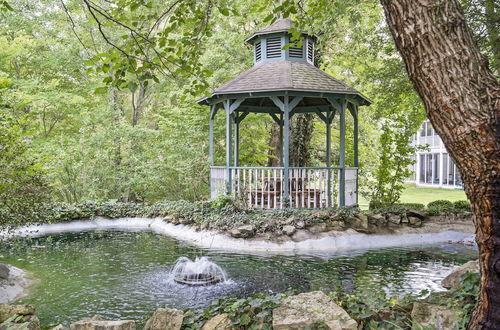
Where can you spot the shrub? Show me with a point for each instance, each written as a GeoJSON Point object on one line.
{"type": "Point", "coordinates": [462, 206]}
{"type": "Point", "coordinates": [413, 206]}
{"type": "Point", "coordinates": [440, 207]}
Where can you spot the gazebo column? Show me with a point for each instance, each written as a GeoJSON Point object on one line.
{"type": "Point", "coordinates": [286, 153]}
{"type": "Point", "coordinates": [227, 107]}
{"type": "Point", "coordinates": [211, 135]}
{"type": "Point", "coordinates": [236, 139]}
{"type": "Point", "coordinates": [342, 154]}
{"type": "Point", "coordinates": [328, 123]}
{"type": "Point", "coordinates": [281, 139]}
{"type": "Point", "coordinates": [355, 151]}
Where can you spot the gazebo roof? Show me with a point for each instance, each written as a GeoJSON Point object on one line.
{"type": "Point", "coordinates": [286, 76]}
{"type": "Point", "coordinates": [281, 25]}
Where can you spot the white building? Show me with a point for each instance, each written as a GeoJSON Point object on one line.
{"type": "Point", "coordinates": [433, 167]}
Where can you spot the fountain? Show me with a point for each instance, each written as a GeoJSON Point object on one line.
{"type": "Point", "coordinates": [200, 272]}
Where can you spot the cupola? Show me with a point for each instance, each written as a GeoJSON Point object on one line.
{"type": "Point", "coordinates": [269, 44]}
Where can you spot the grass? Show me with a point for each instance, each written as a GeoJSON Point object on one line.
{"type": "Point", "coordinates": [413, 194]}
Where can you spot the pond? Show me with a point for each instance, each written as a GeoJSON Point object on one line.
{"type": "Point", "coordinates": [125, 275]}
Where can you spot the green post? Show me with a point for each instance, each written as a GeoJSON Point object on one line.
{"type": "Point", "coordinates": [356, 133]}
{"type": "Point", "coordinates": [211, 136]}
{"type": "Point", "coordinates": [228, 146]}
{"type": "Point", "coordinates": [286, 154]}
{"type": "Point", "coordinates": [281, 139]}
{"type": "Point", "coordinates": [342, 155]}
{"type": "Point", "coordinates": [328, 123]}
{"type": "Point", "coordinates": [236, 140]}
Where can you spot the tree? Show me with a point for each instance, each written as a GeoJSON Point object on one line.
{"type": "Point", "coordinates": [462, 100]}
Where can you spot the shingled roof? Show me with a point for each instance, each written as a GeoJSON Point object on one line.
{"type": "Point", "coordinates": [285, 75]}
{"type": "Point", "coordinates": [281, 25]}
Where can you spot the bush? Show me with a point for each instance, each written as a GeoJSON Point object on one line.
{"type": "Point", "coordinates": [440, 207]}
{"type": "Point", "coordinates": [462, 206]}
{"type": "Point", "coordinates": [413, 206]}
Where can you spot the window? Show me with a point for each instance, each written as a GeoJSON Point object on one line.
{"type": "Point", "coordinates": [310, 50]}
{"type": "Point", "coordinates": [295, 52]}
{"type": "Point", "coordinates": [258, 54]}
{"type": "Point", "coordinates": [429, 168]}
{"type": "Point", "coordinates": [273, 47]}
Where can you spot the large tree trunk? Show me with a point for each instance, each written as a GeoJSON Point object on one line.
{"type": "Point", "coordinates": [301, 135]}
{"type": "Point", "coordinates": [462, 100]}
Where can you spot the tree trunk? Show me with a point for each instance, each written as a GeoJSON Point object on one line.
{"type": "Point", "coordinates": [462, 100]}
{"type": "Point", "coordinates": [492, 22]}
{"type": "Point", "coordinates": [301, 135]}
{"type": "Point", "coordinates": [274, 153]}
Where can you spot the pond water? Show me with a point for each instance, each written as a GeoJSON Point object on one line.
{"type": "Point", "coordinates": [125, 275]}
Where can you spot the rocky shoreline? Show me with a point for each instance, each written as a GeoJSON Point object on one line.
{"type": "Point", "coordinates": [13, 284]}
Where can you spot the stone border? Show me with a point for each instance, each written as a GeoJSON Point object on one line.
{"type": "Point", "coordinates": [14, 285]}
{"type": "Point", "coordinates": [325, 243]}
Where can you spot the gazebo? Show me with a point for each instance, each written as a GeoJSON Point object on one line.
{"type": "Point", "coordinates": [284, 82]}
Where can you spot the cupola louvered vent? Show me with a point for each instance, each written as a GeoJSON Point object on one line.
{"type": "Point", "coordinates": [310, 50]}
{"type": "Point", "coordinates": [295, 52]}
{"type": "Point", "coordinates": [273, 47]}
{"type": "Point", "coordinates": [258, 54]}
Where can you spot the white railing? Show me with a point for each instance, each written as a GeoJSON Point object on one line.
{"type": "Point", "coordinates": [262, 187]}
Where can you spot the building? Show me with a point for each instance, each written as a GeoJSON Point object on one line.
{"type": "Point", "coordinates": [284, 81]}
{"type": "Point", "coordinates": [433, 167]}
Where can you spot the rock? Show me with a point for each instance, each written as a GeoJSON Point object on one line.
{"type": "Point", "coordinates": [90, 324]}
{"type": "Point", "coordinates": [58, 327]}
{"type": "Point", "coordinates": [29, 322]}
{"type": "Point", "coordinates": [377, 219]}
{"type": "Point", "coordinates": [218, 322]}
{"type": "Point", "coordinates": [185, 221]}
{"type": "Point", "coordinates": [307, 310]}
{"type": "Point", "coordinates": [4, 272]}
{"type": "Point", "coordinates": [417, 214]}
{"type": "Point", "coordinates": [7, 311]}
{"type": "Point", "coordinates": [394, 218]}
{"type": "Point", "coordinates": [168, 218]}
{"type": "Point", "coordinates": [434, 316]}
{"type": "Point", "coordinates": [14, 286]}
{"type": "Point", "coordinates": [300, 224]}
{"type": "Point", "coordinates": [360, 221]}
{"type": "Point", "coordinates": [289, 230]}
{"type": "Point", "coordinates": [235, 233]}
{"type": "Point", "coordinates": [323, 215]}
{"type": "Point", "coordinates": [165, 319]}
{"type": "Point", "coordinates": [245, 231]}
{"type": "Point", "coordinates": [453, 280]}
{"type": "Point", "coordinates": [302, 235]}
{"type": "Point", "coordinates": [318, 228]}
{"type": "Point", "coordinates": [415, 222]}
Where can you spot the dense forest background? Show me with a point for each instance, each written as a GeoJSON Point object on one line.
{"type": "Point", "coordinates": [77, 123]}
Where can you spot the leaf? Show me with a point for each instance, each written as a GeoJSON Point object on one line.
{"type": "Point", "coordinates": [224, 11]}
{"type": "Point", "coordinates": [132, 86]}
{"type": "Point", "coordinates": [101, 90]}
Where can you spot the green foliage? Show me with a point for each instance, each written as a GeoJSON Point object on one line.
{"type": "Point", "coordinates": [412, 206]}
{"type": "Point", "coordinates": [249, 313]}
{"type": "Point", "coordinates": [462, 206]}
{"type": "Point", "coordinates": [440, 207]}
{"type": "Point", "coordinates": [465, 297]}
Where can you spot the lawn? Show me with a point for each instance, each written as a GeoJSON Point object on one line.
{"type": "Point", "coordinates": [412, 194]}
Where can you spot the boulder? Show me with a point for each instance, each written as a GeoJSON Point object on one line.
{"type": "Point", "coordinates": [246, 231]}
{"type": "Point", "coordinates": [289, 230]}
{"type": "Point", "coordinates": [8, 311]}
{"type": "Point", "coordinates": [97, 324]}
{"type": "Point", "coordinates": [307, 310]}
{"type": "Point", "coordinates": [4, 272]}
{"type": "Point", "coordinates": [185, 221]}
{"type": "Point", "coordinates": [168, 218]}
{"type": "Point", "coordinates": [318, 228]}
{"type": "Point", "coordinates": [415, 213]}
{"type": "Point", "coordinates": [27, 322]}
{"type": "Point", "coordinates": [218, 322]}
{"type": "Point", "coordinates": [377, 219]}
{"type": "Point", "coordinates": [58, 327]}
{"type": "Point", "coordinates": [165, 319]}
{"type": "Point", "coordinates": [360, 221]}
{"type": "Point", "coordinates": [300, 224]}
{"type": "Point", "coordinates": [434, 316]}
{"type": "Point", "coordinates": [394, 218]}
{"type": "Point", "coordinates": [415, 222]}
{"type": "Point", "coordinates": [453, 280]}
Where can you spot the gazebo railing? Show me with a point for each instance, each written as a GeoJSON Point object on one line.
{"type": "Point", "coordinates": [263, 187]}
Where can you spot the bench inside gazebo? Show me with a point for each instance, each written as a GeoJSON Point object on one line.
{"type": "Point", "coordinates": [282, 83]}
